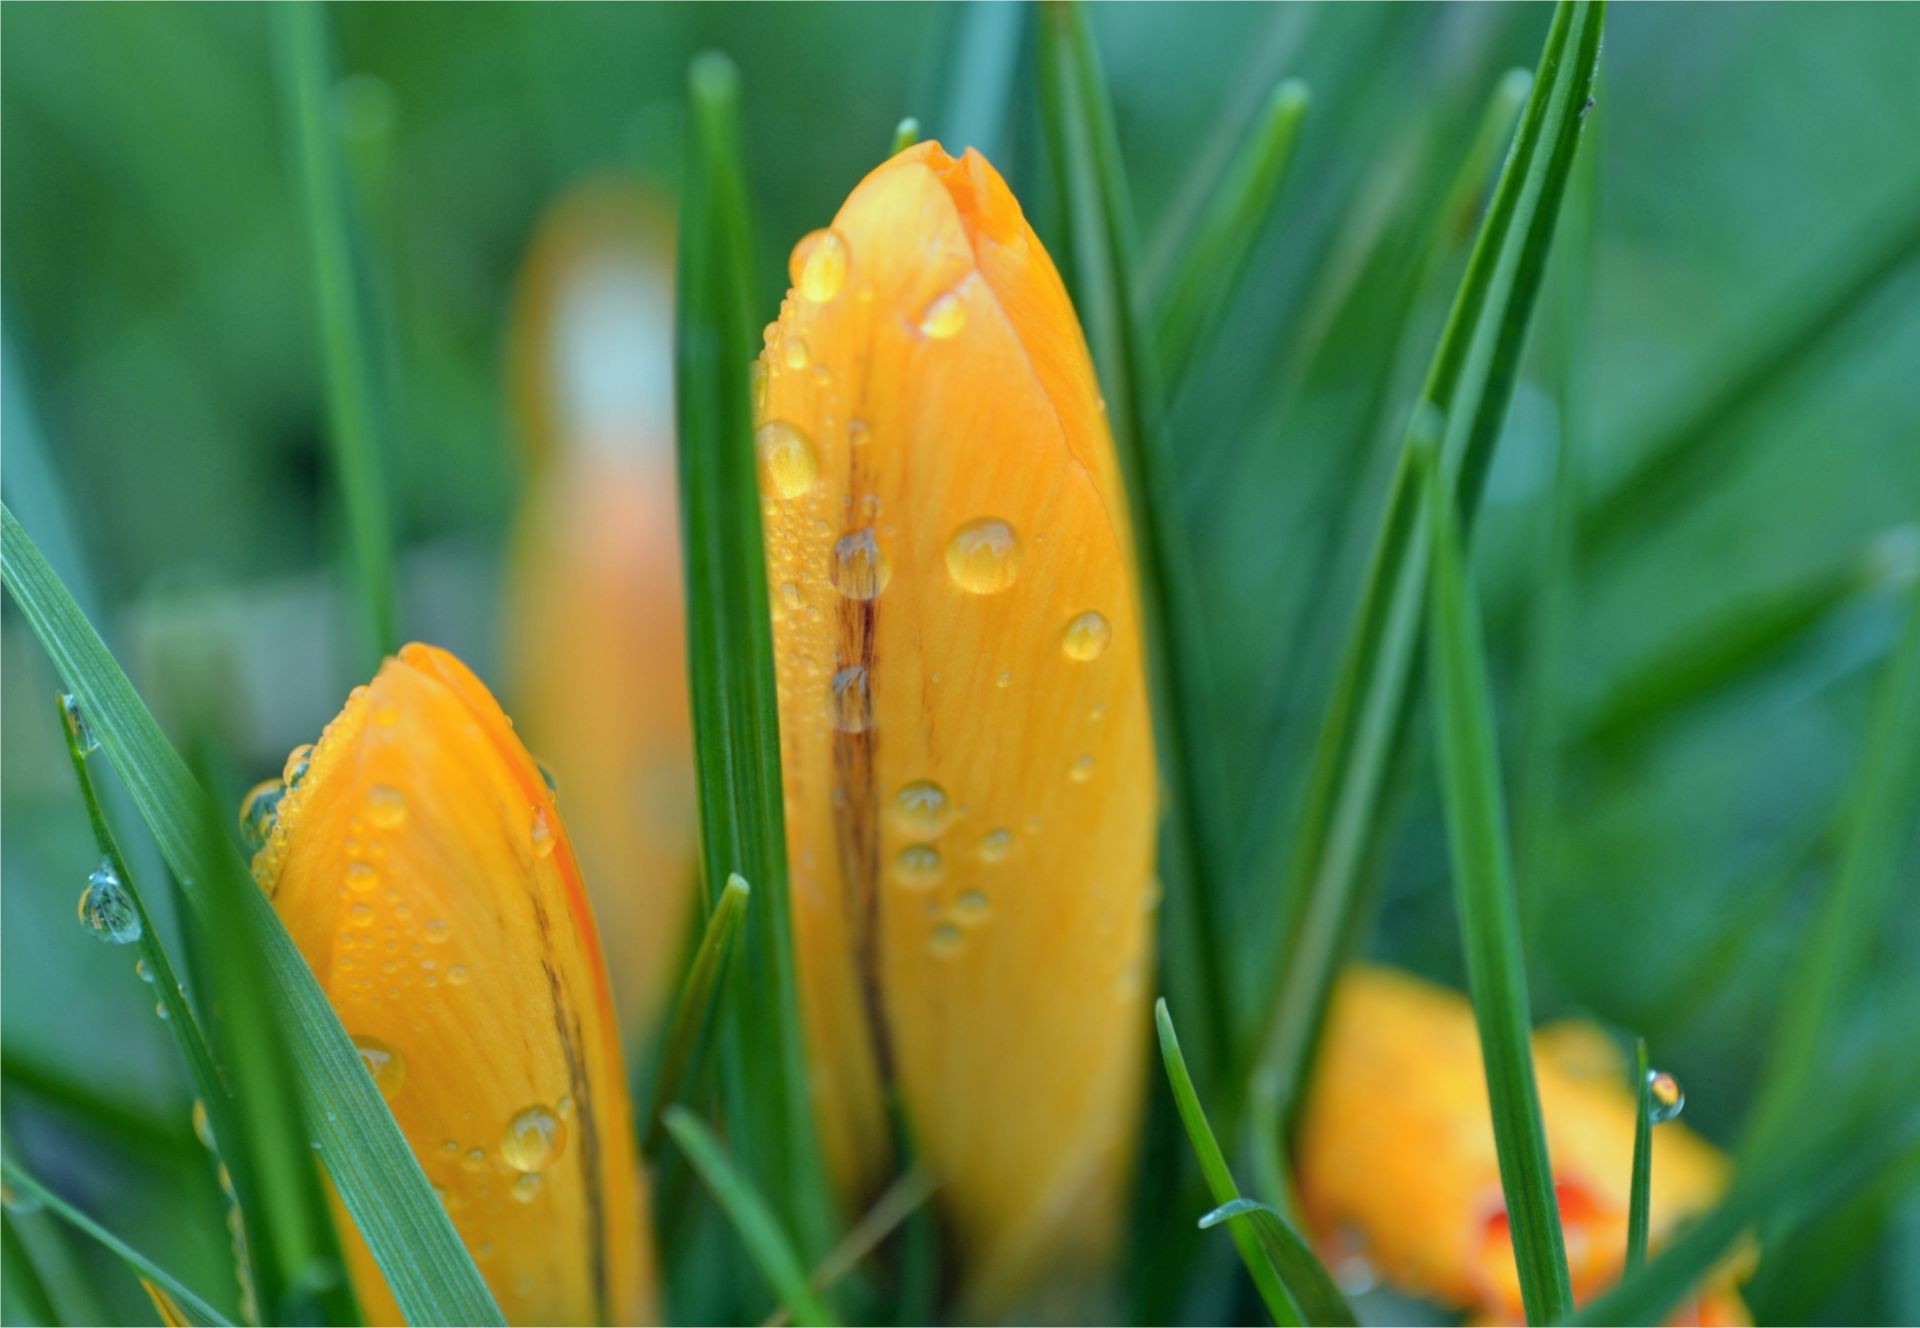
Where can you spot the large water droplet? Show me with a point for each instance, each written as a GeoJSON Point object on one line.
{"type": "Point", "coordinates": [389, 1071]}
{"type": "Point", "coordinates": [923, 809]}
{"type": "Point", "coordinates": [259, 809]}
{"type": "Point", "coordinates": [983, 556]}
{"type": "Point", "coordinates": [849, 700]}
{"type": "Point", "coordinates": [918, 866]}
{"type": "Point", "coordinates": [386, 806]}
{"type": "Point", "coordinates": [787, 463]}
{"type": "Point", "coordinates": [534, 1138]}
{"type": "Point", "coordinates": [943, 317]}
{"type": "Point", "coordinates": [858, 567]}
{"type": "Point", "coordinates": [296, 767]}
{"type": "Point", "coordinates": [1086, 636]}
{"type": "Point", "coordinates": [1668, 1098]}
{"type": "Point", "coordinates": [819, 265]}
{"type": "Point", "coordinates": [106, 907]}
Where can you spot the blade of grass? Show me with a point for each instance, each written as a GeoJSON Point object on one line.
{"type": "Point", "coordinates": [1216, 255]}
{"type": "Point", "coordinates": [359, 415]}
{"type": "Point", "coordinates": [1101, 258]}
{"type": "Point", "coordinates": [1640, 1185]}
{"type": "Point", "coordinates": [23, 1292]}
{"type": "Point", "coordinates": [905, 135]}
{"type": "Point", "coordinates": [758, 1228]}
{"type": "Point", "coordinates": [981, 91]}
{"type": "Point", "coordinates": [694, 1005]}
{"type": "Point", "coordinates": [1213, 1166]}
{"type": "Point", "coordinates": [736, 723]}
{"type": "Point", "coordinates": [22, 1182]}
{"type": "Point", "coordinates": [896, 1204]}
{"type": "Point", "coordinates": [384, 1191]}
{"type": "Point", "coordinates": [1320, 1300]}
{"type": "Point", "coordinates": [1469, 755]}
{"type": "Point", "coordinates": [1470, 383]}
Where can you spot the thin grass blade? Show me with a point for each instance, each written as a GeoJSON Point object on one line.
{"type": "Point", "coordinates": [1640, 1186]}
{"type": "Point", "coordinates": [1469, 383]}
{"type": "Point", "coordinates": [375, 1173]}
{"type": "Point", "coordinates": [691, 1010]}
{"type": "Point", "coordinates": [905, 135]}
{"type": "Point", "coordinates": [23, 1291]}
{"type": "Point", "coordinates": [759, 1229]}
{"type": "Point", "coordinates": [1320, 1300]}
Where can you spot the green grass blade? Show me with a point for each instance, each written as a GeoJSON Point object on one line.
{"type": "Point", "coordinates": [736, 724]}
{"type": "Point", "coordinates": [981, 88]}
{"type": "Point", "coordinates": [1469, 756]}
{"type": "Point", "coordinates": [1879, 821]}
{"type": "Point", "coordinates": [1213, 1166]}
{"type": "Point", "coordinates": [1100, 262]}
{"type": "Point", "coordinates": [905, 135]}
{"type": "Point", "coordinates": [1640, 1186]}
{"type": "Point", "coordinates": [23, 1292]}
{"type": "Point", "coordinates": [1469, 382]}
{"type": "Point", "coordinates": [690, 1011]}
{"type": "Point", "coordinates": [1216, 255]}
{"type": "Point", "coordinates": [1320, 1300]}
{"type": "Point", "coordinates": [21, 1182]}
{"type": "Point", "coordinates": [360, 419]}
{"type": "Point", "coordinates": [375, 1173]}
{"type": "Point", "coordinates": [755, 1222]}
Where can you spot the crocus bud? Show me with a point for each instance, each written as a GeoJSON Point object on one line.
{"type": "Point", "coordinates": [420, 864]}
{"type": "Point", "coordinates": [594, 634]}
{"type": "Point", "coordinates": [1397, 1168]}
{"type": "Point", "coordinates": [970, 787]}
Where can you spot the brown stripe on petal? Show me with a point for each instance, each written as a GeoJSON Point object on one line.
{"type": "Point", "coordinates": [580, 1088]}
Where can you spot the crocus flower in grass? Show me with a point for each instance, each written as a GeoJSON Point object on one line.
{"type": "Point", "coordinates": [1396, 1159]}
{"type": "Point", "coordinates": [969, 769]}
{"type": "Point", "coordinates": [419, 861]}
{"type": "Point", "coordinates": [594, 634]}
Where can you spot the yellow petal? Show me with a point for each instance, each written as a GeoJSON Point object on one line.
{"type": "Point", "coordinates": [424, 872]}
{"type": "Point", "coordinates": [970, 789]}
{"type": "Point", "coordinates": [1396, 1157]}
{"type": "Point", "coordinates": [594, 629]}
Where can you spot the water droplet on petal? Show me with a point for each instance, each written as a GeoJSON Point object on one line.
{"type": "Point", "coordinates": [858, 567]}
{"type": "Point", "coordinates": [389, 1071]}
{"type": "Point", "coordinates": [857, 433]}
{"type": "Point", "coordinates": [1669, 1099]}
{"type": "Point", "coordinates": [995, 845]}
{"type": "Point", "coordinates": [258, 811]}
{"type": "Point", "coordinates": [788, 466]}
{"type": "Point", "coordinates": [946, 941]}
{"type": "Point", "coordinates": [475, 1159]}
{"type": "Point", "coordinates": [918, 866]}
{"type": "Point", "coordinates": [527, 1187]}
{"type": "Point", "coordinates": [386, 806]}
{"type": "Point", "coordinates": [923, 809]}
{"type": "Point", "coordinates": [943, 317]}
{"type": "Point", "coordinates": [1004, 681]}
{"type": "Point", "coordinates": [458, 975]}
{"type": "Point", "coordinates": [818, 266]}
{"type": "Point", "coordinates": [361, 877]}
{"type": "Point", "coordinates": [1081, 770]}
{"type": "Point", "coordinates": [983, 556]}
{"type": "Point", "coordinates": [534, 1138]}
{"type": "Point", "coordinates": [796, 349]}
{"type": "Point", "coordinates": [849, 702]}
{"type": "Point", "coordinates": [106, 907]}
{"type": "Point", "coordinates": [565, 1103]}
{"type": "Point", "coordinates": [972, 907]}
{"type": "Point", "coordinates": [1086, 636]}
{"type": "Point", "coordinates": [436, 931]}
{"type": "Point", "coordinates": [541, 834]}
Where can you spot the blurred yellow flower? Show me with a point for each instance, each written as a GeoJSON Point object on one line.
{"type": "Point", "coordinates": [970, 787]}
{"type": "Point", "coordinates": [594, 632]}
{"type": "Point", "coordinates": [421, 866]}
{"type": "Point", "coordinates": [1396, 1162]}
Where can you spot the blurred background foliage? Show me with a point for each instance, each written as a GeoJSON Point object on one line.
{"type": "Point", "coordinates": [165, 442]}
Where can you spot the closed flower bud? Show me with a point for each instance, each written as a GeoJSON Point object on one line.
{"type": "Point", "coordinates": [1396, 1160]}
{"type": "Point", "coordinates": [420, 864]}
{"type": "Point", "coordinates": [969, 768]}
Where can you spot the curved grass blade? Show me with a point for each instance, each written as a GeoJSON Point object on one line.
{"type": "Point", "coordinates": [1489, 913]}
{"type": "Point", "coordinates": [1216, 255]}
{"type": "Point", "coordinates": [1469, 382]}
{"type": "Point", "coordinates": [360, 419]}
{"type": "Point", "coordinates": [375, 1173]}
{"type": "Point", "coordinates": [1101, 258]}
{"type": "Point", "coordinates": [138, 1262]}
{"type": "Point", "coordinates": [736, 725]}
{"type": "Point", "coordinates": [905, 135]}
{"type": "Point", "coordinates": [1213, 1166]}
{"type": "Point", "coordinates": [1319, 1299]}
{"type": "Point", "coordinates": [758, 1228]}
{"type": "Point", "coordinates": [1640, 1186]}
{"type": "Point", "coordinates": [691, 1010]}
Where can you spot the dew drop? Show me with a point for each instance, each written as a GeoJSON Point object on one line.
{"type": "Point", "coordinates": [995, 845]}
{"type": "Point", "coordinates": [857, 433]}
{"type": "Point", "coordinates": [923, 809]}
{"type": "Point", "coordinates": [945, 941]}
{"type": "Point", "coordinates": [858, 567]}
{"type": "Point", "coordinates": [1086, 636]}
{"type": "Point", "coordinates": [259, 809]}
{"type": "Point", "coordinates": [564, 1105]}
{"type": "Point", "coordinates": [943, 317]}
{"type": "Point", "coordinates": [1669, 1099]}
{"type": "Point", "coordinates": [82, 733]}
{"type": "Point", "coordinates": [541, 834]}
{"type": "Point", "coordinates": [296, 767]}
{"type": "Point", "coordinates": [202, 1125]}
{"type": "Point", "coordinates": [160, 1011]}
{"type": "Point", "coordinates": [535, 1137]}
{"type": "Point", "coordinates": [983, 556]}
{"type": "Point", "coordinates": [436, 931]}
{"type": "Point", "coordinates": [362, 878]}
{"type": "Point", "coordinates": [458, 975]}
{"type": "Point", "coordinates": [918, 866]}
{"type": "Point", "coordinates": [106, 908]}
{"type": "Point", "coordinates": [389, 1071]}
{"type": "Point", "coordinates": [15, 1201]}
{"type": "Point", "coordinates": [475, 1159]}
{"type": "Point", "coordinates": [972, 907]}
{"type": "Point", "coordinates": [1004, 681]}
{"type": "Point", "coordinates": [1081, 770]}
{"type": "Point", "coordinates": [450, 1146]}
{"type": "Point", "coordinates": [849, 700]}
{"type": "Point", "coordinates": [818, 266]}
{"type": "Point", "coordinates": [796, 352]}
{"type": "Point", "coordinates": [757, 386]}
{"type": "Point", "coordinates": [141, 971]}
{"type": "Point", "coordinates": [787, 463]}
{"type": "Point", "coordinates": [386, 806]}
{"type": "Point", "coordinates": [527, 1187]}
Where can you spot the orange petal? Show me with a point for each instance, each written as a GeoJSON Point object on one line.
{"type": "Point", "coordinates": [594, 632]}
{"type": "Point", "coordinates": [970, 788]}
{"type": "Point", "coordinates": [424, 872]}
{"type": "Point", "coordinates": [1396, 1152]}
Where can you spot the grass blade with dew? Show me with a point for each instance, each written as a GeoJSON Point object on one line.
{"type": "Point", "coordinates": [1470, 382]}
{"type": "Point", "coordinates": [1100, 263]}
{"type": "Point", "coordinates": [360, 418]}
{"type": "Point", "coordinates": [691, 1009]}
{"type": "Point", "coordinates": [1878, 823]}
{"type": "Point", "coordinates": [759, 1229]}
{"type": "Point", "coordinates": [736, 724]}
{"type": "Point", "coordinates": [1640, 1184]}
{"type": "Point", "coordinates": [1469, 758]}
{"type": "Point", "coordinates": [1309, 1283]}
{"type": "Point", "coordinates": [1213, 1166]}
{"type": "Point", "coordinates": [1216, 255]}
{"type": "Point", "coordinates": [372, 1169]}
{"type": "Point", "coordinates": [22, 1183]}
